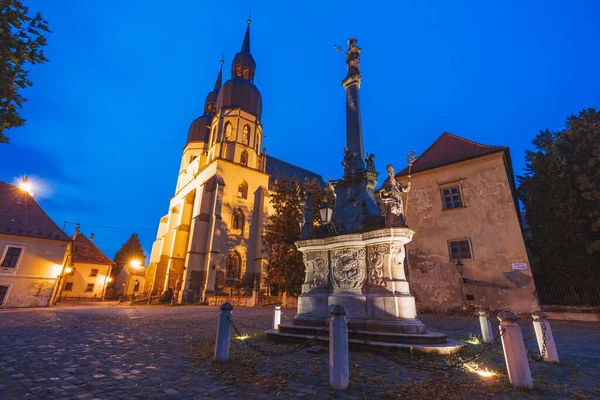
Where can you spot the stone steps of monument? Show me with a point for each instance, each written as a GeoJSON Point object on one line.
{"type": "Point", "coordinates": [385, 337]}
{"type": "Point", "coordinates": [449, 347]}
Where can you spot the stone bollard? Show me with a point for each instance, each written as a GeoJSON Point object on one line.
{"type": "Point", "coordinates": [223, 333]}
{"type": "Point", "coordinates": [515, 356]}
{"type": "Point", "coordinates": [540, 319]}
{"type": "Point", "coordinates": [486, 327]}
{"type": "Point", "coordinates": [338, 349]}
{"type": "Point", "coordinates": [277, 316]}
{"type": "Point", "coordinates": [149, 300]}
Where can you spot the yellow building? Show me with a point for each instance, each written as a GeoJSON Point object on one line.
{"type": "Point", "coordinates": [210, 240]}
{"type": "Point", "coordinates": [32, 250]}
{"type": "Point", "coordinates": [464, 210]}
{"type": "Point", "coordinates": [89, 272]}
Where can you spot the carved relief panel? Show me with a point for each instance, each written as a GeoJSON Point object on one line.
{"type": "Point", "coordinates": [375, 257]}
{"type": "Point", "coordinates": [348, 268]}
{"type": "Point", "coordinates": [317, 269]}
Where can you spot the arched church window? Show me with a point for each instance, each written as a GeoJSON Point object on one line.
{"type": "Point", "coordinates": [244, 158]}
{"type": "Point", "coordinates": [246, 135]}
{"type": "Point", "coordinates": [214, 135]}
{"type": "Point", "coordinates": [237, 220]}
{"type": "Point", "coordinates": [238, 70]}
{"type": "Point", "coordinates": [246, 72]}
{"type": "Point", "coordinates": [234, 262]}
{"type": "Point", "coordinates": [228, 130]}
{"type": "Point", "coordinates": [243, 190]}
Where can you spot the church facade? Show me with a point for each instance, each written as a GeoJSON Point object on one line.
{"type": "Point", "coordinates": [210, 240]}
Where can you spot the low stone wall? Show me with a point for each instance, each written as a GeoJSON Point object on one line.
{"type": "Point", "coordinates": [573, 313]}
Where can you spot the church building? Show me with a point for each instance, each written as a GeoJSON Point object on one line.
{"type": "Point", "coordinates": [210, 240]}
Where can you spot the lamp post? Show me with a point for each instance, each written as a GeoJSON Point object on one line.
{"type": "Point", "coordinates": [132, 264]}
{"type": "Point", "coordinates": [107, 280]}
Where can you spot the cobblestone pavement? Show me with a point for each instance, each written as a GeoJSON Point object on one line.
{"type": "Point", "coordinates": [126, 352]}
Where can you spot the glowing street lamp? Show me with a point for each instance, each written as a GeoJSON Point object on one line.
{"type": "Point", "coordinates": [135, 263]}
{"type": "Point", "coordinates": [25, 185]}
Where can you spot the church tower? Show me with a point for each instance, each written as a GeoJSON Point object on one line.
{"type": "Point", "coordinates": [210, 241]}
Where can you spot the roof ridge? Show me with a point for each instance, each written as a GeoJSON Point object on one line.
{"type": "Point", "coordinates": [293, 165]}
{"type": "Point", "coordinates": [469, 141]}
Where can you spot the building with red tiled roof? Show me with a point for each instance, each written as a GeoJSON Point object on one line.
{"type": "Point", "coordinates": [32, 250]}
{"type": "Point", "coordinates": [468, 247]}
{"type": "Point", "coordinates": [90, 270]}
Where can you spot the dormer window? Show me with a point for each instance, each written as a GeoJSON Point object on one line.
{"type": "Point", "coordinates": [238, 70]}
{"type": "Point", "coordinates": [246, 72]}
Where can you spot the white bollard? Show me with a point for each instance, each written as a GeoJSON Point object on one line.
{"type": "Point", "coordinates": [486, 327]}
{"type": "Point", "coordinates": [223, 333]}
{"type": "Point", "coordinates": [517, 365]}
{"type": "Point", "coordinates": [540, 319]}
{"type": "Point", "coordinates": [277, 316]}
{"type": "Point", "coordinates": [338, 349]}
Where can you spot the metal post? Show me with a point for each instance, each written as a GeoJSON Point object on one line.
{"type": "Point", "coordinates": [486, 327]}
{"type": "Point", "coordinates": [515, 356]}
{"type": "Point", "coordinates": [338, 349]}
{"type": "Point", "coordinates": [277, 316]}
{"type": "Point", "coordinates": [544, 336]}
{"type": "Point", "coordinates": [223, 333]}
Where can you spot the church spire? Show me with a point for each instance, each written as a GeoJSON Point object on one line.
{"type": "Point", "coordinates": [219, 80]}
{"type": "Point", "coordinates": [246, 44]}
{"type": "Point", "coordinates": [243, 66]}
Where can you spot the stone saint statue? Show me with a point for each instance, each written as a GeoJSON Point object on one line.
{"type": "Point", "coordinates": [391, 196]}
{"type": "Point", "coordinates": [307, 218]}
{"type": "Point", "coordinates": [353, 58]}
{"type": "Point", "coordinates": [370, 160]}
{"type": "Point", "coordinates": [347, 163]}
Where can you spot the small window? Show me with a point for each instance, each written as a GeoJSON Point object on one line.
{"type": "Point", "coordinates": [89, 287]}
{"type": "Point", "coordinates": [238, 70]}
{"type": "Point", "coordinates": [460, 249]}
{"type": "Point", "coordinates": [213, 139]}
{"type": "Point", "coordinates": [3, 293]}
{"type": "Point", "coordinates": [68, 286]}
{"type": "Point", "coordinates": [246, 135]}
{"type": "Point", "coordinates": [451, 197]}
{"type": "Point", "coordinates": [244, 158]}
{"type": "Point", "coordinates": [228, 130]}
{"type": "Point", "coordinates": [470, 297]}
{"type": "Point", "coordinates": [246, 72]}
{"type": "Point", "coordinates": [11, 257]}
{"type": "Point", "coordinates": [243, 190]}
{"type": "Point", "coordinates": [94, 272]}
{"type": "Point", "coordinates": [233, 266]}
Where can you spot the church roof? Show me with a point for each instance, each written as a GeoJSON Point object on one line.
{"type": "Point", "coordinates": [449, 149]}
{"type": "Point", "coordinates": [21, 215]}
{"type": "Point", "coordinates": [279, 169]}
{"type": "Point", "coordinates": [85, 251]}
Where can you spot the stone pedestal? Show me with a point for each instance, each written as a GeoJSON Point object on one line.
{"type": "Point", "coordinates": [364, 273]}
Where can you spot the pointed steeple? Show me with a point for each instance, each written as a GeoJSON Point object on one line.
{"type": "Point", "coordinates": [219, 80]}
{"type": "Point", "coordinates": [246, 44]}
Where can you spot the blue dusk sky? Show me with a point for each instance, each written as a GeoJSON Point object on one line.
{"type": "Point", "coordinates": [107, 117]}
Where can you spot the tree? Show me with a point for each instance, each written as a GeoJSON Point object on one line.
{"type": "Point", "coordinates": [561, 194]}
{"type": "Point", "coordinates": [286, 269]}
{"type": "Point", "coordinates": [21, 43]}
{"type": "Point", "coordinates": [129, 251]}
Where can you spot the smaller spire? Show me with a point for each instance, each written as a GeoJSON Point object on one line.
{"type": "Point", "coordinates": [246, 44]}
{"type": "Point", "coordinates": [219, 80]}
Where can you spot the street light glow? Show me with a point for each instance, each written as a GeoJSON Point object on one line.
{"type": "Point", "coordinates": [68, 270]}
{"type": "Point", "coordinates": [135, 263]}
{"type": "Point", "coordinates": [25, 185]}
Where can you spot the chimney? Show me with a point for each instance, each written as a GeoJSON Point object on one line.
{"type": "Point", "coordinates": [76, 232]}
{"type": "Point", "coordinates": [91, 237]}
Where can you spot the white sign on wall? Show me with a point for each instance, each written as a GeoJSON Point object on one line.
{"type": "Point", "coordinates": [517, 266]}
